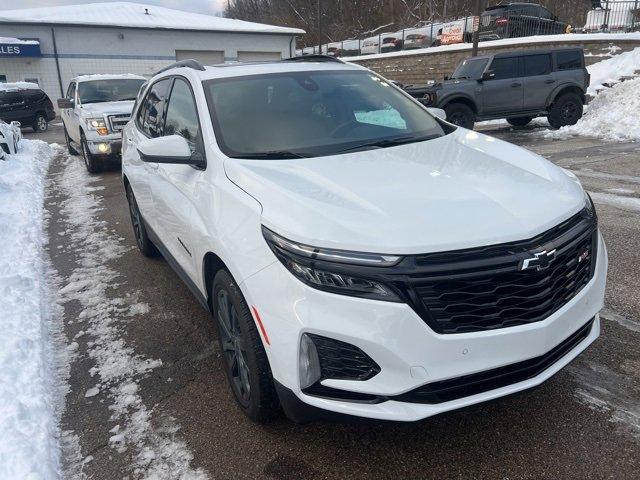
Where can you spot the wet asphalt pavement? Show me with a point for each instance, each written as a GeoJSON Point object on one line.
{"type": "Point", "coordinates": [582, 423]}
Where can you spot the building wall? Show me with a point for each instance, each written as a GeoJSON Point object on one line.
{"type": "Point", "coordinates": [84, 50]}
{"type": "Point", "coordinates": [421, 67]}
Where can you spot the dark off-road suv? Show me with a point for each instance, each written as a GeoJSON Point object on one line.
{"type": "Point", "coordinates": [517, 86]}
{"type": "Point", "coordinates": [29, 106]}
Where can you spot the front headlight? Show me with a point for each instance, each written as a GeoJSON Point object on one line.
{"type": "Point", "coordinates": [337, 271]}
{"type": "Point", "coordinates": [95, 123]}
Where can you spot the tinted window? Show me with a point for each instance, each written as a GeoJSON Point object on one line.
{"type": "Point", "coordinates": [544, 13]}
{"type": "Point", "coordinates": [12, 98]}
{"type": "Point", "coordinates": [313, 114]}
{"type": "Point", "coordinates": [182, 115]}
{"type": "Point", "coordinates": [115, 90]}
{"type": "Point", "coordinates": [537, 65]}
{"type": "Point", "coordinates": [505, 67]}
{"type": "Point", "coordinates": [71, 91]}
{"type": "Point", "coordinates": [569, 60]}
{"type": "Point", "coordinates": [470, 68]}
{"type": "Point", "coordinates": [151, 114]}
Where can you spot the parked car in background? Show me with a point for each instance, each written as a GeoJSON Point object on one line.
{"type": "Point", "coordinates": [10, 137]}
{"type": "Point", "coordinates": [369, 45]}
{"type": "Point", "coordinates": [332, 49]}
{"type": "Point", "coordinates": [94, 111]}
{"type": "Point", "coordinates": [486, 279]}
{"type": "Point", "coordinates": [518, 86]}
{"type": "Point", "coordinates": [349, 48]}
{"type": "Point", "coordinates": [511, 20]}
{"type": "Point", "coordinates": [391, 42]}
{"type": "Point", "coordinates": [456, 31]}
{"type": "Point", "coordinates": [614, 16]}
{"type": "Point", "coordinates": [26, 103]}
{"type": "Point", "coordinates": [422, 37]}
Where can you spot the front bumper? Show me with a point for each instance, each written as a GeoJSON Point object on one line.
{"type": "Point", "coordinates": [409, 353]}
{"type": "Point", "coordinates": [105, 147]}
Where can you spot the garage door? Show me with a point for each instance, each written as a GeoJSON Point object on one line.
{"type": "Point", "coordinates": [258, 56]}
{"type": "Point", "coordinates": [206, 57]}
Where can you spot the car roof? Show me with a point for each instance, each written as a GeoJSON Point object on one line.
{"type": "Point", "coordinates": [536, 51]}
{"type": "Point", "coordinates": [241, 69]}
{"type": "Point", "coordinates": [105, 76]}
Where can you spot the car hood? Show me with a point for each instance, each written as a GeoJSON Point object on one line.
{"type": "Point", "coordinates": [458, 191]}
{"type": "Point", "coordinates": [106, 108]}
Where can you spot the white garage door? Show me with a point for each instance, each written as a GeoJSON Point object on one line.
{"type": "Point", "coordinates": [258, 56]}
{"type": "Point", "coordinates": [206, 57]}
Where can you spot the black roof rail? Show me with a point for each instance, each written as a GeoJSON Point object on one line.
{"type": "Point", "coordinates": [190, 63]}
{"type": "Point", "coordinates": [313, 58]}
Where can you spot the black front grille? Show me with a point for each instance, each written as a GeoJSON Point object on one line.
{"type": "Point", "coordinates": [341, 360]}
{"type": "Point", "coordinates": [460, 387]}
{"type": "Point", "coordinates": [485, 288]}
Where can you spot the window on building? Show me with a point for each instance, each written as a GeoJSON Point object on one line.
{"type": "Point", "coordinates": [3, 79]}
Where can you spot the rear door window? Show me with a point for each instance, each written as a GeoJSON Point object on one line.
{"type": "Point", "coordinates": [570, 60]}
{"type": "Point", "coordinates": [504, 67]}
{"type": "Point", "coordinates": [537, 65]}
{"type": "Point", "coordinates": [151, 115]}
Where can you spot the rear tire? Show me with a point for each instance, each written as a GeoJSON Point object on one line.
{"type": "Point", "coordinates": [565, 110]}
{"type": "Point", "coordinates": [145, 245]}
{"type": "Point", "coordinates": [67, 139]}
{"type": "Point", "coordinates": [245, 360]}
{"type": "Point", "coordinates": [40, 123]}
{"type": "Point", "coordinates": [519, 121]}
{"type": "Point", "coordinates": [90, 161]}
{"type": "Point", "coordinates": [461, 115]}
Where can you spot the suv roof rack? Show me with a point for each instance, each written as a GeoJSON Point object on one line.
{"type": "Point", "coordinates": [190, 63]}
{"type": "Point", "coordinates": [313, 58]}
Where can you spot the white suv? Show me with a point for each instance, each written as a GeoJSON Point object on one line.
{"type": "Point", "coordinates": [94, 111]}
{"type": "Point", "coordinates": [360, 255]}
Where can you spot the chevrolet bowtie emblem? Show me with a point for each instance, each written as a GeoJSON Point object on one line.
{"type": "Point", "coordinates": [539, 261]}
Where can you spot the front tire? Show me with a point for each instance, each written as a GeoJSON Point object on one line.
{"type": "Point", "coordinates": [565, 110]}
{"type": "Point", "coordinates": [90, 161]}
{"type": "Point", "coordinates": [461, 115]}
{"type": "Point", "coordinates": [40, 123]}
{"type": "Point", "coordinates": [519, 121]}
{"type": "Point", "coordinates": [145, 245]}
{"type": "Point", "coordinates": [245, 360]}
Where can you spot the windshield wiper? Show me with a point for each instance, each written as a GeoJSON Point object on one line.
{"type": "Point", "coordinates": [276, 155]}
{"type": "Point", "coordinates": [389, 142]}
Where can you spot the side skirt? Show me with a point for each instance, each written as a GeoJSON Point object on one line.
{"type": "Point", "coordinates": [176, 267]}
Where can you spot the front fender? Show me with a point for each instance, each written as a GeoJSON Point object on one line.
{"type": "Point", "coordinates": [466, 98]}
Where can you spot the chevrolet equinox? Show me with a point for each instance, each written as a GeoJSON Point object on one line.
{"type": "Point", "coordinates": [360, 255]}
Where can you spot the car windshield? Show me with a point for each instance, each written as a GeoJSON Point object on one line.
{"type": "Point", "coordinates": [113, 90]}
{"type": "Point", "coordinates": [470, 68]}
{"type": "Point", "coordinates": [309, 114]}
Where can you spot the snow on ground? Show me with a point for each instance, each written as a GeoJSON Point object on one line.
{"type": "Point", "coordinates": [29, 370]}
{"type": "Point", "coordinates": [117, 370]}
{"type": "Point", "coordinates": [19, 86]}
{"type": "Point", "coordinates": [612, 69]}
{"type": "Point", "coordinates": [611, 115]}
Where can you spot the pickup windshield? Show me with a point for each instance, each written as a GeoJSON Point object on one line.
{"type": "Point", "coordinates": [113, 90]}
{"type": "Point", "coordinates": [310, 114]}
{"type": "Point", "coordinates": [470, 68]}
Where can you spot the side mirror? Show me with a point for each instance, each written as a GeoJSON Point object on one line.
{"type": "Point", "coordinates": [437, 112]}
{"type": "Point", "coordinates": [65, 103]}
{"type": "Point", "coordinates": [170, 149]}
{"type": "Point", "coordinates": [16, 124]}
{"type": "Point", "coordinates": [488, 75]}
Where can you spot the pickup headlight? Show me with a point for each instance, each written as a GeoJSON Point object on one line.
{"type": "Point", "coordinates": [337, 271]}
{"type": "Point", "coordinates": [98, 125]}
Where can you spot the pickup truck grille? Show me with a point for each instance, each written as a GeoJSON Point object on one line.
{"type": "Point", "coordinates": [117, 122]}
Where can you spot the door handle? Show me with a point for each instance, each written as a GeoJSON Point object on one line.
{"type": "Point", "coordinates": [516, 84]}
{"type": "Point", "coordinates": [550, 81]}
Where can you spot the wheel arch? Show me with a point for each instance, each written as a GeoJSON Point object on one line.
{"type": "Point", "coordinates": [562, 89]}
{"type": "Point", "coordinates": [460, 99]}
{"type": "Point", "coordinates": [211, 265]}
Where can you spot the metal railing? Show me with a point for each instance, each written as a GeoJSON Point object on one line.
{"type": "Point", "coordinates": [494, 24]}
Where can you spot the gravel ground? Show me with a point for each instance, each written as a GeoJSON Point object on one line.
{"type": "Point", "coordinates": [583, 423]}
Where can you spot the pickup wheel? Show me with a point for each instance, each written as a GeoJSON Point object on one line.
{"type": "Point", "coordinates": [519, 121]}
{"type": "Point", "coordinates": [145, 245]}
{"type": "Point", "coordinates": [90, 161]}
{"type": "Point", "coordinates": [244, 357]}
{"type": "Point", "coordinates": [40, 123]}
{"type": "Point", "coordinates": [565, 110]}
{"type": "Point", "coordinates": [67, 139]}
{"type": "Point", "coordinates": [461, 115]}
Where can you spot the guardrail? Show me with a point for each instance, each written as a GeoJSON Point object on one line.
{"type": "Point", "coordinates": [494, 24]}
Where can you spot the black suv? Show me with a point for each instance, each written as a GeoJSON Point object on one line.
{"type": "Point", "coordinates": [511, 20]}
{"type": "Point", "coordinates": [516, 85]}
{"type": "Point", "coordinates": [29, 106]}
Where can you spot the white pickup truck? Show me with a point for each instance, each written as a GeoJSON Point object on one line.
{"type": "Point", "coordinates": [94, 112]}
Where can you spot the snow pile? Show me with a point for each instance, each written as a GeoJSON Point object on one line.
{"type": "Point", "coordinates": [612, 115]}
{"type": "Point", "coordinates": [19, 86]}
{"type": "Point", "coordinates": [611, 70]}
{"type": "Point", "coordinates": [28, 387]}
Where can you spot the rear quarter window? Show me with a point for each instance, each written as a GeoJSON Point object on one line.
{"type": "Point", "coordinates": [570, 60]}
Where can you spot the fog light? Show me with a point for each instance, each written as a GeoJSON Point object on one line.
{"type": "Point", "coordinates": [308, 363]}
{"type": "Point", "coordinates": [103, 147]}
